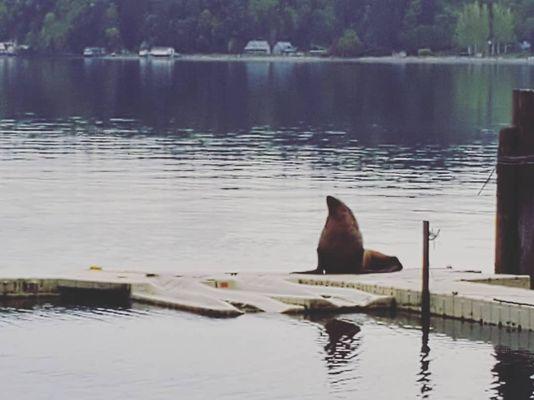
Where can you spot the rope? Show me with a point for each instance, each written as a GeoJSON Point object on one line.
{"type": "Point", "coordinates": [516, 160]}
{"type": "Point", "coordinates": [508, 160]}
{"type": "Point", "coordinates": [486, 182]}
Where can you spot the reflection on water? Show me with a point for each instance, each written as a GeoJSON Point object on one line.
{"type": "Point", "coordinates": [425, 374]}
{"type": "Point", "coordinates": [140, 352]}
{"type": "Point", "coordinates": [512, 365]}
{"type": "Point", "coordinates": [513, 374]}
{"type": "Point", "coordinates": [341, 350]}
{"type": "Point", "coordinates": [374, 103]}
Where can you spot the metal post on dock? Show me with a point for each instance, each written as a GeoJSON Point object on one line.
{"type": "Point", "coordinates": [514, 243]}
{"type": "Point", "coordinates": [425, 292]}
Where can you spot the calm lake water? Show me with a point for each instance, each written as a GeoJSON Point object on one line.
{"type": "Point", "coordinates": [143, 353]}
{"type": "Point", "coordinates": [187, 166]}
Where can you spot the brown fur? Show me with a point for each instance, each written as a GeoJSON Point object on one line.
{"type": "Point", "coordinates": [340, 249]}
{"type": "Point", "coordinates": [375, 262]}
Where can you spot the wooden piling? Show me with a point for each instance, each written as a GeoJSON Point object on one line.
{"type": "Point", "coordinates": [507, 233]}
{"type": "Point", "coordinates": [514, 245]}
{"type": "Point", "coordinates": [425, 290]}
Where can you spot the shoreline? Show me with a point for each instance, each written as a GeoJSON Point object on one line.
{"type": "Point", "coordinates": [360, 60]}
{"type": "Point", "coordinates": [309, 59]}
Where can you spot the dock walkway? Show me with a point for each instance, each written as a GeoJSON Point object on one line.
{"type": "Point", "coordinates": [502, 300]}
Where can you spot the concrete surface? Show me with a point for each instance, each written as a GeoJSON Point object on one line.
{"type": "Point", "coordinates": [501, 300]}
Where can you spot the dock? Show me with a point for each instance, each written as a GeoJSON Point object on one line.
{"type": "Point", "coordinates": [215, 295]}
{"type": "Point", "coordinates": [501, 300]}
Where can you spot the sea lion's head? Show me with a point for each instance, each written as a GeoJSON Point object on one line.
{"type": "Point", "coordinates": [338, 210]}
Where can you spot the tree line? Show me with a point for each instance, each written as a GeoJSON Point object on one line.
{"type": "Point", "coordinates": [345, 27]}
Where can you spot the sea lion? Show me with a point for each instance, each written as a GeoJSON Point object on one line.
{"type": "Point", "coordinates": [340, 249]}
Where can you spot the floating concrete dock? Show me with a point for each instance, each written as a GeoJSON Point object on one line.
{"type": "Point", "coordinates": [502, 300]}
{"type": "Point", "coordinates": [216, 295]}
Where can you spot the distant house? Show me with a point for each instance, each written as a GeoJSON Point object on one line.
{"type": "Point", "coordinates": [284, 49]}
{"type": "Point", "coordinates": [94, 52]}
{"type": "Point", "coordinates": [257, 47]}
{"type": "Point", "coordinates": [162, 52]}
{"type": "Point", "coordinates": [8, 48]}
{"type": "Point", "coordinates": [318, 51]}
{"type": "Point", "coordinates": [524, 45]}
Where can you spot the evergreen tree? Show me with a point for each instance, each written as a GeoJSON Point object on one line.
{"type": "Point", "coordinates": [226, 25]}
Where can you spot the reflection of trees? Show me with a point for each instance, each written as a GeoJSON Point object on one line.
{"type": "Point", "coordinates": [60, 88]}
{"type": "Point", "coordinates": [483, 94]}
{"type": "Point", "coordinates": [370, 104]}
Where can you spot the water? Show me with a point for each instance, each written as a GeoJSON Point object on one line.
{"type": "Point", "coordinates": [184, 166]}
{"type": "Point", "coordinates": [145, 353]}
{"type": "Point", "coordinates": [225, 166]}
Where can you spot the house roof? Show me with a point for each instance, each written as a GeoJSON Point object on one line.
{"type": "Point", "coordinates": [284, 44]}
{"type": "Point", "coordinates": [258, 45]}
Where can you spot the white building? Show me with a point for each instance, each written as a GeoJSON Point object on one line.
{"type": "Point", "coordinates": [257, 47]}
{"type": "Point", "coordinates": [8, 48]}
{"type": "Point", "coordinates": [94, 52]}
{"type": "Point", "coordinates": [284, 49]}
{"type": "Point", "coordinates": [162, 52]}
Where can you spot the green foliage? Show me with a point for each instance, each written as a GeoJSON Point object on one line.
{"type": "Point", "coordinates": [53, 34]}
{"type": "Point", "coordinates": [425, 29]}
{"type": "Point", "coordinates": [4, 18]}
{"type": "Point", "coordinates": [348, 27]}
{"type": "Point", "coordinates": [526, 29]}
{"type": "Point", "coordinates": [503, 25]}
{"type": "Point", "coordinates": [472, 30]}
{"type": "Point", "coordinates": [424, 52]}
{"type": "Point", "coordinates": [348, 45]}
{"type": "Point", "coordinates": [113, 38]}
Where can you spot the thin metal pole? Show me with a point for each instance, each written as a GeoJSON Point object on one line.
{"type": "Point", "coordinates": [425, 293]}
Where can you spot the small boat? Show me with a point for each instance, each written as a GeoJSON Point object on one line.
{"type": "Point", "coordinates": [94, 52]}
{"type": "Point", "coordinates": [143, 53]}
{"type": "Point", "coordinates": [162, 52]}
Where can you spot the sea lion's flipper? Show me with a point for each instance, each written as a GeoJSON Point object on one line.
{"type": "Point", "coordinates": [375, 262]}
{"type": "Point", "coordinates": [315, 271]}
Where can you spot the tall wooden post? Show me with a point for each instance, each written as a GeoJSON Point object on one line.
{"type": "Point", "coordinates": [514, 247]}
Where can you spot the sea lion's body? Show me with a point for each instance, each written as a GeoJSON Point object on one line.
{"type": "Point", "coordinates": [340, 249]}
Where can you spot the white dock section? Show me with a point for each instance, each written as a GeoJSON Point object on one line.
{"type": "Point", "coordinates": [231, 295]}
{"type": "Point", "coordinates": [501, 300]}
{"type": "Point", "coordinates": [217, 295]}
